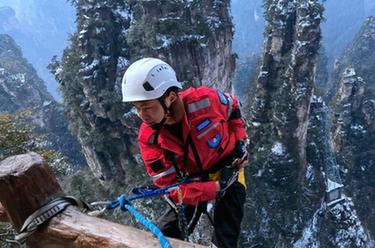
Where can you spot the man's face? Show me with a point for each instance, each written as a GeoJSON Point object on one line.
{"type": "Point", "coordinates": [150, 112]}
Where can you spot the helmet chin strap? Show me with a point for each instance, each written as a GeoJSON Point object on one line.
{"type": "Point", "coordinates": [159, 125]}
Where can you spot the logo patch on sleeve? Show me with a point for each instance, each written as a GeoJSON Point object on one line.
{"type": "Point", "coordinates": [203, 124]}
{"type": "Point", "coordinates": [223, 98]}
{"type": "Point", "coordinates": [215, 141]}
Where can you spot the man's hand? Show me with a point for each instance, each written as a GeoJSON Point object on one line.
{"type": "Point", "coordinates": [239, 154]}
{"type": "Point", "coordinates": [228, 177]}
{"type": "Point", "coordinates": [229, 174]}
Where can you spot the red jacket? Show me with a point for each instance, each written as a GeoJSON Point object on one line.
{"type": "Point", "coordinates": [214, 123]}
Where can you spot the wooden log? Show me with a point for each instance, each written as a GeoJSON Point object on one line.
{"type": "Point", "coordinates": [27, 182]}
{"type": "Point", "coordinates": [3, 214]}
{"type": "Point", "coordinates": [80, 230]}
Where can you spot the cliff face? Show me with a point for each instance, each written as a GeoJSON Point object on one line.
{"type": "Point", "coordinates": [41, 29]}
{"type": "Point", "coordinates": [21, 88]}
{"type": "Point", "coordinates": [89, 77]}
{"type": "Point", "coordinates": [277, 210]}
{"type": "Point", "coordinates": [335, 221]}
{"type": "Point", "coordinates": [193, 36]}
{"type": "Point", "coordinates": [354, 121]}
{"type": "Point", "coordinates": [300, 195]}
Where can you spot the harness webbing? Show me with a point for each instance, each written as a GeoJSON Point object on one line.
{"type": "Point", "coordinates": [45, 213]}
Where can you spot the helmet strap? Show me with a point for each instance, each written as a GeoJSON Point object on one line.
{"type": "Point", "coordinates": [159, 125]}
{"type": "Point", "coordinates": [162, 102]}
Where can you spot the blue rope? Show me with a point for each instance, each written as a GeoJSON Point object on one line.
{"type": "Point", "coordinates": [124, 205]}
{"type": "Point", "coordinates": [182, 222]}
{"type": "Point", "coordinates": [142, 192]}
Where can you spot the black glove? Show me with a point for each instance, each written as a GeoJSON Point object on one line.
{"type": "Point", "coordinates": [239, 152]}
{"type": "Point", "coordinates": [228, 177]}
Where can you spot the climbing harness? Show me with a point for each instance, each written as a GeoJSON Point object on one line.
{"type": "Point", "coordinates": [45, 213]}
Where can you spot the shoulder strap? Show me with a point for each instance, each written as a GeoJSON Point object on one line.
{"type": "Point", "coordinates": [190, 142]}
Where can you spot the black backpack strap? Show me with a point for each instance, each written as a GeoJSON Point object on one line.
{"type": "Point", "coordinates": [189, 142]}
{"type": "Point", "coordinates": [180, 174]}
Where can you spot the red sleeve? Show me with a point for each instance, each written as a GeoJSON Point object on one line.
{"type": "Point", "coordinates": [229, 108]}
{"type": "Point", "coordinates": [195, 193]}
{"type": "Point", "coordinates": [235, 121]}
{"type": "Point", "coordinates": [161, 172]}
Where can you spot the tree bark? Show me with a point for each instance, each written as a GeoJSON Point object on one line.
{"type": "Point", "coordinates": [27, 183]}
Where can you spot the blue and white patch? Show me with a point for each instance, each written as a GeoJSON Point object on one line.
{"type": "Point", "coordinates": [223, 98]}
{"type": "Point", "coordinates": [203, 124]}
{"type": "Point", "coordinates": [215, 141]}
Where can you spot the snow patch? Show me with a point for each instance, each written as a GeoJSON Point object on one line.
{"type": "Point", "coordinates": [87, 68]}
{"type": "Point", "coordinates": [123, 13]}
{"type": "Point", "coordinates": [168, 41]}
{"type": "Point", "coordinates": [309, 172]}
{"type": "Point", "coordinates": [331, 185]}
{"type": "Point", "coordinates": [356, 127]}
{"type": "Point", "coordinates": [349, 72]}
{"type": "Point", "coordinates": [46, 103]}
{"type": "Point", "coordinates": [255, 124]}
{"type": "Point", "coordinates": [259, 173]}
{"type": "Point", "coordinates": [21, 77]}
{"type": "Point", "coordinates": [309, 234]}
{"type": "Point", "coordinates": [122, 63]}
{"type": "Point", "coordinates": [278, 149]}
{"type": "Point", "coordinates": [165, 41]}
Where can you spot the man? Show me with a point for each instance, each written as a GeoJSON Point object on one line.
{"type": "Point", "coordinates": [196, 134]}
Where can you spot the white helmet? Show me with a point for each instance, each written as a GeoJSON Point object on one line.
{"type": "Point", "coordinates": [147, 79]}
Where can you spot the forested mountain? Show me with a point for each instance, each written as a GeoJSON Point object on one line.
{"type": "Point", "coordinates": [41, 29]}
{"type": "Point", "coordinates": [342, 20]}
{"type": "Point", "coordinates": [310, 177]}
{"type": "Point", "coordinates": [297, 195]}
{"type": "Point", "coordinates": [277, 210]}
{"type": "Point", "coordinates": [354, 121]}
{"type": "Point", "coordinates": [22, 89]}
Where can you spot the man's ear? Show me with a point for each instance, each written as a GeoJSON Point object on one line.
{"type": "Point", "coordinates": [172, 96]}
